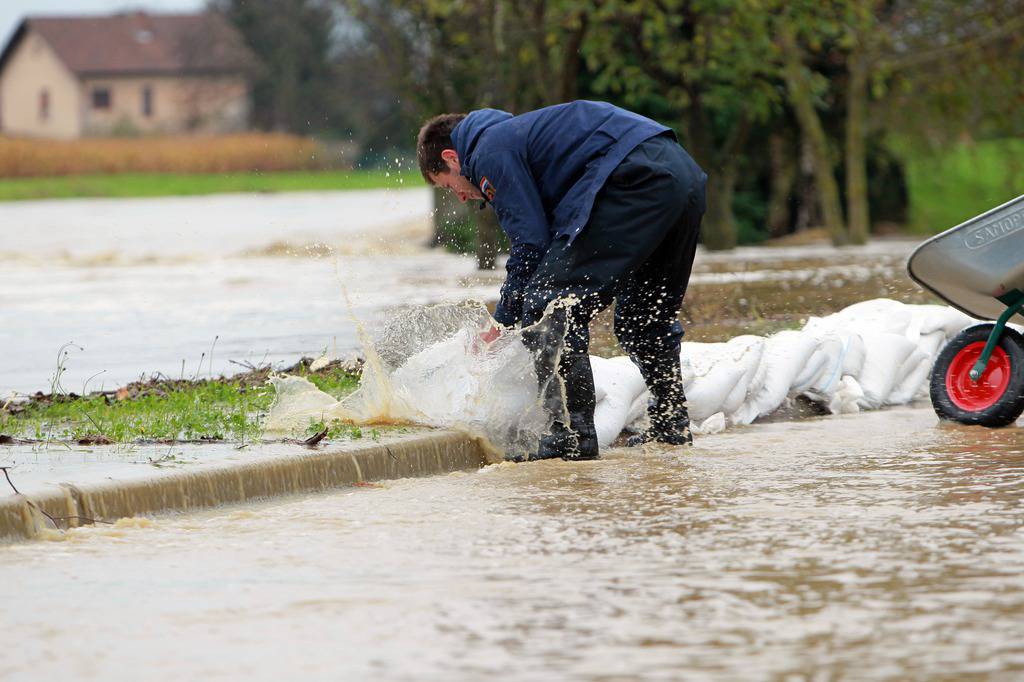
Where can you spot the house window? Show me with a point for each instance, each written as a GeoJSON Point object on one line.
{"type": "Point", "coordinates": [44, 105]}
{"type": "Point", "coordinates": [101, 98]}
{"type": "Point", "coordinates": [147, 101]}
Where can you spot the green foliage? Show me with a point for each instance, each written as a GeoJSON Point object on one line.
{"type": "Point", "coordinates": [949, 186]}
{"type": "Point", "coordinates": [715, 70]}
{"type": "Point", "coordinates": [751, 217]}
{"type": "Point", "coordinates": [166, 184]}
{"type": "Point", "coordinates": [294, 80]}
{"type": "Point", "coordinates": [337, 429]}
{"type": "Point", "coordinates": [709, 62]}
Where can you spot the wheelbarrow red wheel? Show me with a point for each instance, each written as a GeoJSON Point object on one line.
{"type": "Point", "coordinates": [997, 398]}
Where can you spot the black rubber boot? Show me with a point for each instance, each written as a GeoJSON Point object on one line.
{"type": "Point", "coordinates": [670, 420]}
{"type": "Point", "coordinates": [544, 341]}
{"type": "Point", "coordinates": [578, 441]}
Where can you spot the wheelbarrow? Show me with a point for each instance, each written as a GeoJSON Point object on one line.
{"type": "Point", "coordinates": [978, 267]}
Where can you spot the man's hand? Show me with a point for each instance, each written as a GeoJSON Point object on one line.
{"type": "Point", "coordinates": [491, 334]}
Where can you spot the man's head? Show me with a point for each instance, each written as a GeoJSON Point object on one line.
{"type": "Point", "coordinates": [439, 162]}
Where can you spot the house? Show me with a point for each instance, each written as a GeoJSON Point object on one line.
{"type": "Point", "coordinates": [69, 77]}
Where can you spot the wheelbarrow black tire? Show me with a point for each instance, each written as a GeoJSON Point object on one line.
{"type": "Point", "coordinates": [995, 403]}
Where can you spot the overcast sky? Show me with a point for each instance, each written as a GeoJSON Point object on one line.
{"type": "Point", "coordinates": [12, 11]}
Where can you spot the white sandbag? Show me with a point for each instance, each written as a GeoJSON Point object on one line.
{"type": "Point", "coordinates": [847, 397]}
{"type": "Point", "coordinates": [620, 385]}
{"type": "Point", "coordinates": [931, 343]}
{"type": "Point", "coordinates": [716, 423]}
{"type": "Point", "coordinates": [708, 392]}
{"type": "Point", "coordinates": [433, 369]}
{"type": "Point", "coordinates": [638, 412]}
{"type": "Point", "coordinates": [880, 315]}
{"type": "Point", "coordinates": [949, 321]}
{"type": "Point", "coordinates": [912, 378]}
{"type": "Point", "coordinates": [749, 351]}
{"type": "Point", "coordinates": [852, 345]}
{"type": "Point", "coordinates": [885, 356]}
{"type": "Point", "coordinates": [785, 353]}
{"type": "Point", "coordinates": [827, 361]}
{"type": "Point", "coordinates": [452, 378]}
{"type": "Point", "coordinates": [722, 374]}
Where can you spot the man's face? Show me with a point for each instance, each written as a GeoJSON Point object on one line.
{"type": "Point", "coordinates": [453, 180]}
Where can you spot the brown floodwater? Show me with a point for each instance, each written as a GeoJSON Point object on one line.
{"type": "Point", "coordinates": [872, 546]}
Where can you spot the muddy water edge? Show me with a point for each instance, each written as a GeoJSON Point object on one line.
{"type": "Point", "coordinates": [872, 546]}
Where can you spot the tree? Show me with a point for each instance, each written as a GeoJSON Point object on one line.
{"type": "Point", "coordinates": [803, 88]}
{"type": "Point", "coordinates": [879, 44]}
{"type": "Point", "coordinates": [457, 56]}
{"type": "Point", "coordinates": [292, 38]}
{"type": "Point", "coordinates": [703, 60]}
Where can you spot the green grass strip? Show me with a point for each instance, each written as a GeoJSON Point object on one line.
{"type": "Point", "coordinates": [217, 410]}
{"type": "Point", "coordinates": [169, 184]}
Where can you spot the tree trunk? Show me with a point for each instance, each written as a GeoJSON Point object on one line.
{"type": "Point", "coordinates": [857, 206]}
{"type": "Point", "coordinates": [783, 176]}
{"type": "Point", "coordinates": [719, 225]}
{"type": "Point", "coordinates": [487, 233]}
{"type": "Point", "coordinates": [447, 212]}
{"type": "Point", "coordinates": [720, 222]}
{"type": "Point", "coordinates": [571, 60]}
{"type": "Point", "coordinates": [808, 213]}
{"type": "Point", "coordinates": [802, 100]}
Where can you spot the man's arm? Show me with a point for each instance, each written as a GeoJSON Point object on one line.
{"type": "Point", "coordinates": [522, 262]}
{"type": "Point", "coordinates": [517, 203]}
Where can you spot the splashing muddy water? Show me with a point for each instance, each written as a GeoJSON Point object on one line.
{"type": "Point", "coordinates": [872, 546]}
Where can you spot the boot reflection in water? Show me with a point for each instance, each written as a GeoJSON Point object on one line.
{"type": "Point", "coordinates": [600, 205]}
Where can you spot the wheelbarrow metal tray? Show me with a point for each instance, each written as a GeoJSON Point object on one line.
{"type": "Point", "coordinates": [977, 266]}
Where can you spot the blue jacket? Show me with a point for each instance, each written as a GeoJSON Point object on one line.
{"type": "Point", "coordinates": [540, 171]}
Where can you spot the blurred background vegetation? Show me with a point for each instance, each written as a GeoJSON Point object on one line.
{"type": "Point", "coordinates": [843, 118]}
{"type": "Point", "coordinates": [855, 116]}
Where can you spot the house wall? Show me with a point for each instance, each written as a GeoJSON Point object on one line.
{"type": "Point", "coordinates": [179, 104]}
{"type": "Point", "coordinates": [33, 68]}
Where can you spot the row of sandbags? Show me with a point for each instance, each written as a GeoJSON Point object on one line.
{"type": "Point", "coordinates": [871, 354]}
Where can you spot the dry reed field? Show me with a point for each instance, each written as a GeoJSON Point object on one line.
{"type": "Point", "coordinates": [20, 157]}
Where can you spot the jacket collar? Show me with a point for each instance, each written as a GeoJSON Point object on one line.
{"type": "Point", "coordinates": [466, 134]}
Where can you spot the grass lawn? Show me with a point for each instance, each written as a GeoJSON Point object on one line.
{"type": "Point", "coordinates": [167, 410]}
{"type": "Point", "coordinates": [948, 188]}
{"type": "Point", "coordinates": [168, 184]}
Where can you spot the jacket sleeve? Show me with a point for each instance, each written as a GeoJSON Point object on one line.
{"type": "Point", "coordinates": [522, 262]}
{"type": "Point", "coordinates": [517, 203]}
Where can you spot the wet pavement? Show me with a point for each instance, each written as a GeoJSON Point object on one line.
{"type": "Point", "coordinates": [872, 546]}
{"type": "Point", "coordinates": [41, 468]}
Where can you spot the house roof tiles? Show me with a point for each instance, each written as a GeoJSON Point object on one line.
{"type": "Point", "coordinates": [138, 42]}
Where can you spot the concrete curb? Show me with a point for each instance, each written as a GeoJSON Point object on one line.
{"type": "Point", "coordinates": [308, 471]}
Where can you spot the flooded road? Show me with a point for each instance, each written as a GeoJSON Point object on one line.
{"type": "Point", "coordinates": [145, 286]}
{"type": "Point", "coordinates": [141, 286]}
{"type": "Point", "coordinates": [871, 546]}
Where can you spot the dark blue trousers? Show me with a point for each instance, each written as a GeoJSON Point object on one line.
{"type": "Point", "coordinates": [637, 249]}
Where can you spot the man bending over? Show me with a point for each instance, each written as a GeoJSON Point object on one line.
{"type": "Point", "coordinates": [598, 203]}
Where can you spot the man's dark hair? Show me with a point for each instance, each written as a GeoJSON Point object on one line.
{"type": "Point", "coordinates": [435, 136]}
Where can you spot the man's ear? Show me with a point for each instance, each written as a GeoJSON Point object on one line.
{"type": "Point", "coordinates": [451, 157]}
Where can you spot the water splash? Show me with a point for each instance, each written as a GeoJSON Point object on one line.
{"type": "Point", "coordinates": [430, 365]}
